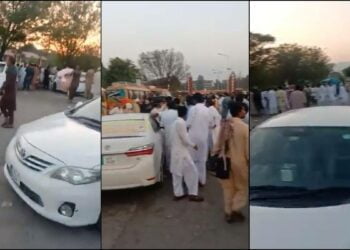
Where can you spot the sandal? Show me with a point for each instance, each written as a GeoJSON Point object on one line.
{"type": "Point", "coordinates": [238, 216]}
{"type": "Point", "coordinates": [177, 198]}
{"type": "Point", "coordinates": [196, 198]}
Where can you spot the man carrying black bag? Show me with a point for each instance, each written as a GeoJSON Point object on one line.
{"type": "Point", "coordinates": [232, 150]}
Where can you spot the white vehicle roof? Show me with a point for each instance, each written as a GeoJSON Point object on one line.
{"type": "Point", "coordinates": [128, 116]}
{"type": "Point", "coordinates": [325, 116]}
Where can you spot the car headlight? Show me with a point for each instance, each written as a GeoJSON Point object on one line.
{"type": "Point", "coordinates": [77, 176]}
{"type": "Point", "coordinates": [21, 152]}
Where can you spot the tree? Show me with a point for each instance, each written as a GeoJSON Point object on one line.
{"type": "Point", "coordinates": [162, 64]}
{"type": "Point", "coordinates": [120, 70]}
{"type": "Point", "coordinates": [69, 27]}
{"type": "Point", "coordinates": [292, 63]}
{"type": "Point", "coordinates": [300, 64]}
{"type": "Point", "coordinates": [19, 20]}
{"type": "Point", "coordinates": [346, 71]}
{"type": "Point", "coordinates": [260, 59]}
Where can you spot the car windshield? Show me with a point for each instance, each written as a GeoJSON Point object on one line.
{"type": "Point", "coordinates": [298, 159]}
{"type": "Point", "coordinates": [124, 128]}
{"type": "Point", "coordinates": [89, 113]}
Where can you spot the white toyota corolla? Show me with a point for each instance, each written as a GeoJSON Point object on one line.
{"type": "Point", "coordinates": [131, 151]}
{"type": "Point", "coordinates": [300, 180]}
{"type": "Point", "coordinates": [53, 164]}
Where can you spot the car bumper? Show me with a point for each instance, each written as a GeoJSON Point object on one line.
{"type": "Point", "coordinates": [141, 175]}
{"type": "Point", "coordinates": [53, 193]}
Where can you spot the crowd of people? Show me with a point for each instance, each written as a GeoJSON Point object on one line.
{"type": "Point", "coordinates": [277, 100]}
{"type": "Point", "coordinates": [195, 129]}
{"type": "Point", "coordinates": [32, 76]}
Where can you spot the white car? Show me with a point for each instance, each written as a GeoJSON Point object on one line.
{"type": "Point", "coordinates": [60, 82]}
{"type": "Point", "coordinates": [53, 164]}
{"type": "Point", "coordinates": [300, 180]}
{"type": "Point", "coordinates": [2, 73]}
{"type": "Point", "coordinates": [131, 151]}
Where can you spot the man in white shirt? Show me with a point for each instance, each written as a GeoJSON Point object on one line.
{"type": "Point", "coordinates": [182, 166]}
{"type": "Point", "coordinates": [199, 123]}
{"type": "Point", "coordinates": [167, 119]}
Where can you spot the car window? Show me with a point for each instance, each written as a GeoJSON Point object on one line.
{"type": "Point", "coordinates": [124, 128]}
{"type": "Point", "coordinates": [2, 67]}
{"type": "Point", "coordinates": [307, 157]}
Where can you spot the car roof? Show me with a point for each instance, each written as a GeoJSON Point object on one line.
{"type": "Point", "coordinates": [323, 116]}
{"type": "Point", "coordinates": [128, 116]}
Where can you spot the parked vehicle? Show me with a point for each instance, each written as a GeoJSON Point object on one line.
{"type": "Point", "coordinates": [53, 164]}
{"type": "Point", "coordinates": [2, 73]}
{"type": "Point", "coordinates": [132, 153]}
{"type": "Point", "coordinates": [300, 180]}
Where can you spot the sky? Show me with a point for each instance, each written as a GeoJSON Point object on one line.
{"type": "Point", "coordinates": [200, 30]}
{"type": "Point", "coordinates": [322, 24]}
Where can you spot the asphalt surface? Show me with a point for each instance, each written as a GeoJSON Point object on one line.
{"type": "Point", "coordinates": [20, 226]}
{"type": "Point", "coordinates": [149, 218]}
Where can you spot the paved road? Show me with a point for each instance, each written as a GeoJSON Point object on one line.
{"type": "Point", "coordinates": [149, 218]}
{"type": "Point", "coordinates": [20, 226]}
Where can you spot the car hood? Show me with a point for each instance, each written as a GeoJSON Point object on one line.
{"type": "Point", "coordinates": [305, 228]}
{"type": "Point", "coordinates": [65, 139]}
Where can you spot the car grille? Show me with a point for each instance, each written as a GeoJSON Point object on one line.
{"type": "Point", "coordinates": [35, 163]}
{"type": "Point", "coordinates": [32, 195]}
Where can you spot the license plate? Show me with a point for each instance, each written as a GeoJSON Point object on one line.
{"type": "Point", "coordinates": [14, 175]}
{"type": "Point", "coordinates": [110, 160]}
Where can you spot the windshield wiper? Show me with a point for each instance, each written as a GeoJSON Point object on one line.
{"type": "Point", "coordinates": [276, 188]}
{"type": "Point", "coordinates": [85, 120]}
{"type": "Point", "coordinates": [285, 192]}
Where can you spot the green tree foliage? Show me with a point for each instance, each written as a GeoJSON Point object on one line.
{"type": "Point", "coordinates": [68, 27]}
{"type": "Point", "coordinates": [346, 71]}
{"type": "Point", "coordinates": [292, 63]}
{"type": "Point", "coordinates": [19, 20]}
{"type": "Point", "coordinates": [119, 70]}
{"type": "Point", "coordinates": [300, 64]}
{"type": "Point", "coordinates": [260, 59]}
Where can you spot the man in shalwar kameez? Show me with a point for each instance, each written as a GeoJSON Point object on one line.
{"type": "Point", "coordinates": [234, 143]}
{"type": "Point", "coordinates": [182, 166]}
{"type": "Point", "coordinates": [199, 123]}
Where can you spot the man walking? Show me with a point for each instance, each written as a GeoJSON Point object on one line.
{"type": "Point", "coordinates": [29, 74]}
{"type": "Point", "coordinates": [89, 80]}
{"type": "Point", "coordinates": [182, 166]}
{"type": "Point", "coordinates": [199, 123]}
{"type": "Point", "coordinates": [297, 98]}
{"type": "Point", "coordinates": [234, 143]}
{"type": "Point", "coordinates": [75, 83]}
{"type": "Point", "coordinates": [167, 119]}
{"type": "Point", "coordinates": [282, 100]}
